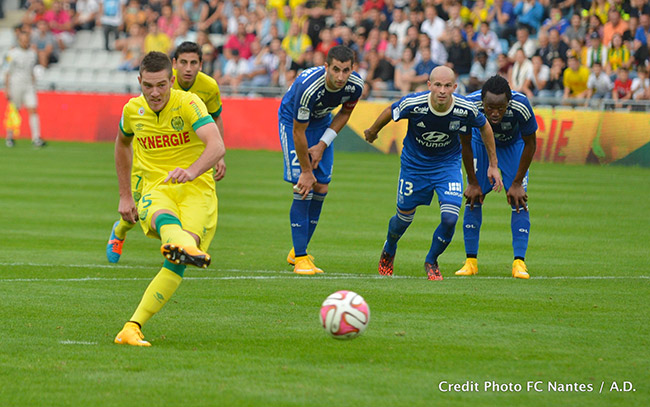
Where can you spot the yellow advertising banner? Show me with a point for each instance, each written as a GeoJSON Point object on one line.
{"type": "Point", "coordinates": [564, 136]}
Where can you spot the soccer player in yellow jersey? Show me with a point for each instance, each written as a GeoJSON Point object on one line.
{"type": "Point", "coordinates": [187, 64]}
{"type": "Point", "coordinates": [177, 143]}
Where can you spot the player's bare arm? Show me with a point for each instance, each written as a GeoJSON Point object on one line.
{"type": "Point", "coordinates": [473, 192]}
{"type": "Point", "coordinates": [213, 152]}
{"type": "Point", "coordinates": [371, 133]}
{"type": "Point", "coordinates": [494, 175]}
{"type": "Point", "coordinates": [338, 122]}
{"type": "Point", "coordinates": [220, 168]}
{"type": "Point", "coordinates": [516, 194]}
{"type": "Point", "coordinates": [307, 179]}
{"type": "Point", "coordinates": [123, 165]}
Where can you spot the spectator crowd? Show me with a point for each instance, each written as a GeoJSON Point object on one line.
{"type": "Point", "coordinates": [548, 49]}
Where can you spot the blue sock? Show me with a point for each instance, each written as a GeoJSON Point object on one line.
{"type": "Point", "coordinates": [396, 228]}
{"type": "Point", "coordinates": [444, 232]}
{"type": "Point", "coordinates": [299, 216]}
{"type": "Point", "coordinates": [472, 220]}
{"type": "Point", "coordinates": [520, 225]}
{"type": "Point", "coordinates": [314, 212]}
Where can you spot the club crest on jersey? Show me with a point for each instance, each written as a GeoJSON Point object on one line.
{"type": "Point", "coordinates": [460, 112]}
{"type": "Point", "coordinates": [506, 125]}
{"type": "Point", "coordinates": [141, 111]}
{"type": "Point", "coordinates": [454, 125]}
{"type": "Point", "coordinates": [177, 123]}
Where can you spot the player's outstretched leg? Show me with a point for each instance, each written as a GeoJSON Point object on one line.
{"type": "Point", "coordinates": [441, 237]}
{"type": "Point", "coordinates": [116, 240]}
{"type": "Point", "coordinates": [472, 219]}
{"type": "Point", "coordinates": [179, 247]}
{"type": "Point", "coordinates": [520, 225]}
{"type": "Point", "coordinates": [396, 228]}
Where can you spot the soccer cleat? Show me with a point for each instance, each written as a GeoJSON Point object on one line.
{"type": "Point", "coordinates": [433, 271]}
{"type": "Point", "coordinates": [131, 335]}
{"type": "Point", "coordinates": [114, 246]}
{"type": "Point", "coordinates": [291, 257]}
{"type": "Point", "coordinates": [304, 266]}
{"type": "Point", "coordinates": [10, 142]}
{"type": "Point", "coordinates": [469, 268]}
{"type": "Point", "coordinates": [185, 255]}
{"type": "Point", "coordinates": [519, 269]}
{"type": "Point", "coordinates": [386, 264]}
{"type": "Point", "coordinates": [38, 143]}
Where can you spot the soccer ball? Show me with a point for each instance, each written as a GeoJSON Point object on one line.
{"type": "Point", "coordinates": [344, 315]}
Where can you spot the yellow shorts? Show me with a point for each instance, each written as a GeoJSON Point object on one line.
{"type": "Point", "coordinates": [193, 203]}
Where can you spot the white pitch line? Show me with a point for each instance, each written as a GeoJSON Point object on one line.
{"type": "Point", "coordinates": [69, 342]}
{"type": "Point", "coordinates": [331, 276]}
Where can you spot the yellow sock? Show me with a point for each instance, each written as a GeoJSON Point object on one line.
{"type": "Point", "coordinates": [160, 290]}
{"type": "Point", "coordinates": [122, 228]}
{"type": "Point", "coordinates": [172, 233]}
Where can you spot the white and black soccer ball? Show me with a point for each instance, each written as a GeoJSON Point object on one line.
{"type": "Point", "coordinates": [344, 315]}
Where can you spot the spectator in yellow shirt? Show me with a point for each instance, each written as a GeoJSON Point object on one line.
{"type": "Point", "coordinates": [575, 79]}
{"type": "Point", "coordinates": [156, 40]}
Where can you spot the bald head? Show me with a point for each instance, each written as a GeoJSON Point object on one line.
{"type": "Point", "coordinates": [442, 74]}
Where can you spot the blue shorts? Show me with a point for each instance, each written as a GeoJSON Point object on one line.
{"type": "Point", "coordinates": [292, 170]}
{"type": "Point", "coordinates": [508, 156]}
{"type": "Point", "coordinates": [416, 188]}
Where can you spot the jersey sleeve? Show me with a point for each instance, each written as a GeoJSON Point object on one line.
{"type": "Point", "coordinates": [195, 112]}
{"type": "Point", "coordinates": [213, 104]}
{"type": "Point", "coordinates": [125, 122]}
{"type": "Point", "coordinates": [400, 109]}
{"type": "Point", "coordinates": [304, 103]}
{"type": "Point", "coordinates": [529, 122]}
{"type": "Point", "coordinates": [476, 118]}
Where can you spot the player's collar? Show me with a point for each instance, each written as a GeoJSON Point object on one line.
{"type": "Point", "coordinates": [437, 113]}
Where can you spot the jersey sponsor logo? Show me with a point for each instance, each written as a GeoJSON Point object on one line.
{"type": "Point", "coordinates": [164, 140]}
{"type": "Point", "coordinates": [460, 112]}
{"type": "Point", "coordinates": [434, 139]}
{"type": "Point", "coordinates": [454, 125]}
{"type": "Point", "coordinates": [177, 123]}
{"type": "Point", "coordinates": [303, 113]}
{"type": "Point", "coordinates": [420, 124]}
{"type": "Point", "coordinates": [322, 112]}
{"type": "Point", "coordinates": [345, 99]}
{"type": "Point", "coordinates": [421, 109]}
{"type": "Point", "coordinates": [502, 137]}
{"type": "Point", "coordinates": [506, 125]}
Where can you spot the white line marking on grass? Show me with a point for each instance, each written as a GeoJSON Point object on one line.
{"type": "Point", "coordinates": [69, 342]}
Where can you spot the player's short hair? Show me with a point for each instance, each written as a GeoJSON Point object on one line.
{"type": "Point", "coordinates": [156, 61]}
{"type": "Point", "coordinates": [189, 47]}
{"type": "Point", "coordinates": [497, 85]}
{"type": "Point", "coordinates": [341, 53]}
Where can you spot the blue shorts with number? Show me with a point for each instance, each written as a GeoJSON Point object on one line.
{"type": "Point", "coordinates": [508, 156]}
{"type": "Point", "coordinates": [417, 188]}
{"type": "Point", "coordinates": [292, 171]}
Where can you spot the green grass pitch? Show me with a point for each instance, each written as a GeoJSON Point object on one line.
{"type": "Point", "coordinates": [245, 331]}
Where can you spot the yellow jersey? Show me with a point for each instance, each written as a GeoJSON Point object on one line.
{"type": "Point", "coordinates": [207, 89]}
{"type": "Point", "coordinates": [167, 139]}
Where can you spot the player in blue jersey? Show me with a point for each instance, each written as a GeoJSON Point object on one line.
{"type": "Point", "coordinates": [438, 137]}
{"type": "Point", "coordinates": [307, 130]}
{"type": "Point", "coordinates": [513, 123]}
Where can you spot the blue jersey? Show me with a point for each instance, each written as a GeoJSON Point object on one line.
{"type": "Point", "coordinates": [309, 100]}
{"type": "Point", "coordinates": [518, 120]}
{"type": "Point", "coordinates": [432, 138]}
